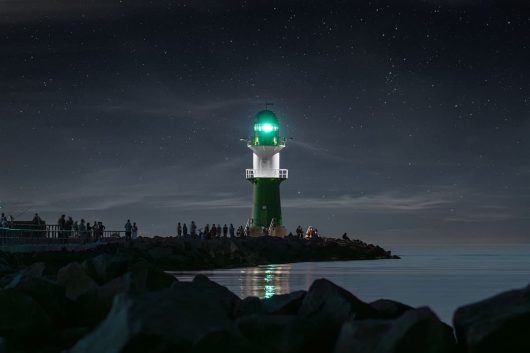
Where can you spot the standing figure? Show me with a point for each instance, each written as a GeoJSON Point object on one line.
{"type": "Point", "coordinates": [61, 225]}
{"type": "Point", "coordinates": [184, 230]}
{"type": "Point", "coordinates": [68, 226]}
{"type": "Point", "coordinates": [231, 230]}
{"type": "Point", "coordinates": [193, 229]}
{"type": "Point", "coordinates": [179, 229]}
{"type": "Point", "coordinates": [225, 231]}
{"type": "Point", "coordinates": [218, 230]}
{"type": "Point", "coordinates": [128, 230]}
{"type": "Point", "coordinates": [134, 231]}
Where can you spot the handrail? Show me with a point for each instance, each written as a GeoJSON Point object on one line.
{"type": "Point", "coordinates": [266, 173]}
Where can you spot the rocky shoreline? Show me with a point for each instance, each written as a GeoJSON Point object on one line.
{"type": "Point", "coordinates": [107, 304]}
{"type": "Point", "coordinates": [177, 253]}
{"type": "Point", "coordinates": [114, 302]}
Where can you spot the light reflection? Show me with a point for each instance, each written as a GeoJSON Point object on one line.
{"type": "Point", "coordinates": [262, 281]}
{"type": "Point", "coordinates": [265, 281]}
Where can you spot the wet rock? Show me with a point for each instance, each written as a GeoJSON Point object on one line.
{"type": "Point", "coordinates": [147, 277]}
{"type": "Point", "coordinates": [35, 270]}
{"type": "Point", "coordinates": [390, 309]}
{"type": "Point", "coordinates": [284, 304]}
{"type": "Point", "coordinates": [22, 318]}
{"type": "Point", "coordinates": [416, 331]}
{"type": "Point", "coordinates": [324, 309]}
{"type": "Point", "coordinates": [226, 341]}
{"type": "Point", "coordinates": [111, 289]}
{"type": "Point", "coordinates": [248, 306]}
{"type": "Point", "coordinates": [75, 281]}
{"type": "Point", "coordinates": [267, 331]}
{"type": "Point", "coordinates": [497, 324]}
{"type": "Point", "coordinates": [160, 253]}
{"type": "Point", "coordinates": [332, 303]}
{"type": "Point", "coordinates": [48, 294]}
{"type": "Point", "coordinates": [172, 319]}
{"type": "Point", "coordinates": [226, 299]}
{"type": "Point", "coordinates": [105, 267]}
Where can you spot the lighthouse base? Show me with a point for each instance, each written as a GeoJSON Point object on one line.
{"type": "Point", "coordinates": [279, 231]}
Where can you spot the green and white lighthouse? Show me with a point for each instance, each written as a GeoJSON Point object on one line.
{"type": "Point", "coordinates": [266, 175]}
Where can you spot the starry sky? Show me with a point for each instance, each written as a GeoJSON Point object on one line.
{"type": "Point", "coordinates": [410, 119]}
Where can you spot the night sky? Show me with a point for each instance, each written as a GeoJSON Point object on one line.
{"type": "Point", "coordinates": [410, 119]}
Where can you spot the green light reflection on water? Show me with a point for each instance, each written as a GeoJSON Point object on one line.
{"type": "Point", "coordinates": [269, 286]}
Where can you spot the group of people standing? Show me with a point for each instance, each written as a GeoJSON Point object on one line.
{"type": "Point", "coordinates": [215, 231]}
{"type": "Point", "coordinates": [131, 230]}
{"type": "Point", "coordinates": [68, 228]}
{"type": "Point", "coordinates": [311, 233]}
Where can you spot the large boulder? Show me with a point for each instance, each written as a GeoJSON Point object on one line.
{"type": "Point", "coordinates": [284, 304]}
{"type": "Point", "coordinates": [416, 331]}
{"type": "Point", "coordinates": [390, 309]}
{"type": "Point", "coordinates": [147, 277]}
{"type": "Point", "coordinates": [173, 319]}
{"type": "Point", "coordinates": [48, 294]}
{"type": "Point", "coordinates": [268, 331]}
{"type": "Point", "coordinates": [35, 270]}
{"type": "Point", "coordinates": [75, 281]}
{"type": "Point", "coordinates": [333, 303]}
{"type": "Point", "coordinates": [22, 319]}
{"type": "Point", "coordinates": [105, 267]}
{"type": "Point", "coordinates": [209, 289]}
{"type": "Point", "coordinates": [497, 324]}
{"type": "Point", "coordinates": [324, 309]}
{"type": "Point", "coordinates": [248, 306]}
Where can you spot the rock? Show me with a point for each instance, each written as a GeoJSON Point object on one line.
{"type": "Point", "coordinates": [33, 271]}
{"type": "Point", "coordinates": [416, 331]}
{"type": "Point", "coordinates": [335, 304]}
{"type": "Point", "coordinates": [75, 281]}
{"type": "Point", "coordinates": [49, 295]}
{"type": "Point", "coordinates": [160, 253]}
{"type": "Point", "coordinates": [211, 289]}
{"type": "Point", "coordinates": [390, 309]}
{"type": "Point", "coordinates": [324, 309]}
{"type": "Point", "coordinates": [248, 306]}
{"type": "Point", "coordinates": [147, 277]}
{"type": "Point", "coordinates": [111, 289]}
{"type": "Point", "coordinates": [497, 324]}
{"type": "Point", "coordinates": [104, 267]}
{"type": "Point", "coordinates": [361, 336]}
{"type": "Point", "coordinates": [267, 331]}
{"type": "Point", "coordinates": [22, 319]}
{"type": "Point", "coordinates": [167, 320]}
{"type": "Point", "coordinates": [284, 304]}
{"type": "Point", "coordinates": [226, 341]}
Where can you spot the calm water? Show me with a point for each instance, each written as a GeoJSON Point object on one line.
{"type": "Point", "coordinates": [440, 277]}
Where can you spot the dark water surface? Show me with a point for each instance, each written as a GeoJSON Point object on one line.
{"type": "Point", "coordinates": [441, 277]}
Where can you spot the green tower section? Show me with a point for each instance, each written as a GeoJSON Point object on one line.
{"type": "Point", "coordinates": [266, 175]}
{"type": "Point", "coordinates": [267, 205]}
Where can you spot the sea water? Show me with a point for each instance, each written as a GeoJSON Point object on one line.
{"type": "Point", "coordinates": [441, 277]}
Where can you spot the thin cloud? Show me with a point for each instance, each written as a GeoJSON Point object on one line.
{"type": "Point", "coordinates": [375, 202]}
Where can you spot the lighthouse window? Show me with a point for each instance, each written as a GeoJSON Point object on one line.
{"type": "Point", "coordinates": [267, 127]}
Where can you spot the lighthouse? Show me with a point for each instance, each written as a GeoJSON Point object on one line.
{"type": "Point", "coordinates": [266, 175]}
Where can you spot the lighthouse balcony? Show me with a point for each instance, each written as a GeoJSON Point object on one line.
{"type": "Point", "coordinates": [267, 173]}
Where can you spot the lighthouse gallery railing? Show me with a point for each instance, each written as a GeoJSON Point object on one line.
{"type": "Point", "coordinates": [270, 173]}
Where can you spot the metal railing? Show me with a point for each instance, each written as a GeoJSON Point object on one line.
{"type": "Point", "coordinates": [52, 234]}
{"type": "Point", "coordinates": [270, 173]}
